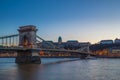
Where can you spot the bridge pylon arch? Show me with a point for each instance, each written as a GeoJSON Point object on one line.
{"type": "Point", "coordinates": [27, 40]}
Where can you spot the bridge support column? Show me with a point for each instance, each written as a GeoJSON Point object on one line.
{"type": "Point", "coordinates": [82, 56]}
{"type": "Point", "coordinates": [2, 42]}
{"type": "Point", "coordinates": [10, 41]}
{"type": "Point", "coordinates": [6, 42]}
{"type": "Point", "coordinates": [28, 56]}
{"type": "Point", "coordinates": [13, 41]}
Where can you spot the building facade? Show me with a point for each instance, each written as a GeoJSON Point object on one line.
{"type": "Point", "coordinates": [106, 42]}
{"type": "Point", "coordinates": [70, 44]}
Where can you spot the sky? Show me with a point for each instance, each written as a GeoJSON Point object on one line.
{"type": "Point", "coordinates": [82, 20]}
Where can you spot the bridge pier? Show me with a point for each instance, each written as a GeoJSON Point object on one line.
{"type": "Point", "coordinates": [28, 56]}
{"type": "Point", "coordinates": [27, 39]}
{"type": "Point", "coordinates": [83, 56]}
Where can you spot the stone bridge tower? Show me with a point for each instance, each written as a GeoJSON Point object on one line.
{"type": "Point", "coordinates": [27, 40]}
{"type": "Point", "coordinates": [27, 36]}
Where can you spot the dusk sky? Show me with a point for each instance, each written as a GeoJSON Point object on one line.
{"type": "Point", "coordinates": [82, 20]}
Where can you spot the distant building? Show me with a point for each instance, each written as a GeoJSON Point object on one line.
{"type": "Point", "coordinates": [106, 42]}
{"type": "Point", "coordinates": [59, 40]}
{"type": "Point", "coordinates": [83, 44]}
{"type": "Point", "coordinates": [72, 43]}
{"type": "Point", "coordinates": [47, 44]}
{"type": "Point", "coordinates": [117, 41]}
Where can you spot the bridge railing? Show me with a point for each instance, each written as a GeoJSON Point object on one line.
{"type": "Point", "coordinates": [9, 40]}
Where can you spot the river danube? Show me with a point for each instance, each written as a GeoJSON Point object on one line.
{"type": "Point", "coordinates": [61, 69]}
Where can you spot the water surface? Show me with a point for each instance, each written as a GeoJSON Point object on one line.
{"type": "Point", "coordinates": [61, 69]}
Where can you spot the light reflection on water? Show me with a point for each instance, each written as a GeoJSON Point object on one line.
{"type": "Point", "coordinates": [62, 69]}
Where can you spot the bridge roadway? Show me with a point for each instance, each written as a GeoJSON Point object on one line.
{"type": "Point", "coordinates": [39, 49]}
{"type": "Point", "coordinates": [63, 50]}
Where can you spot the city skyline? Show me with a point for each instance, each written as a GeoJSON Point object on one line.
{"type": "Point", "coordinates": [82, 20]}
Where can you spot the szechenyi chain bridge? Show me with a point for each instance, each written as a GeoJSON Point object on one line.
{"type": "Point", "coordinates": [26, 46]}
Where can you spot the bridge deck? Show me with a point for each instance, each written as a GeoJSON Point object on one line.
{"type": "Point", "coordinates": [39, 49]}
